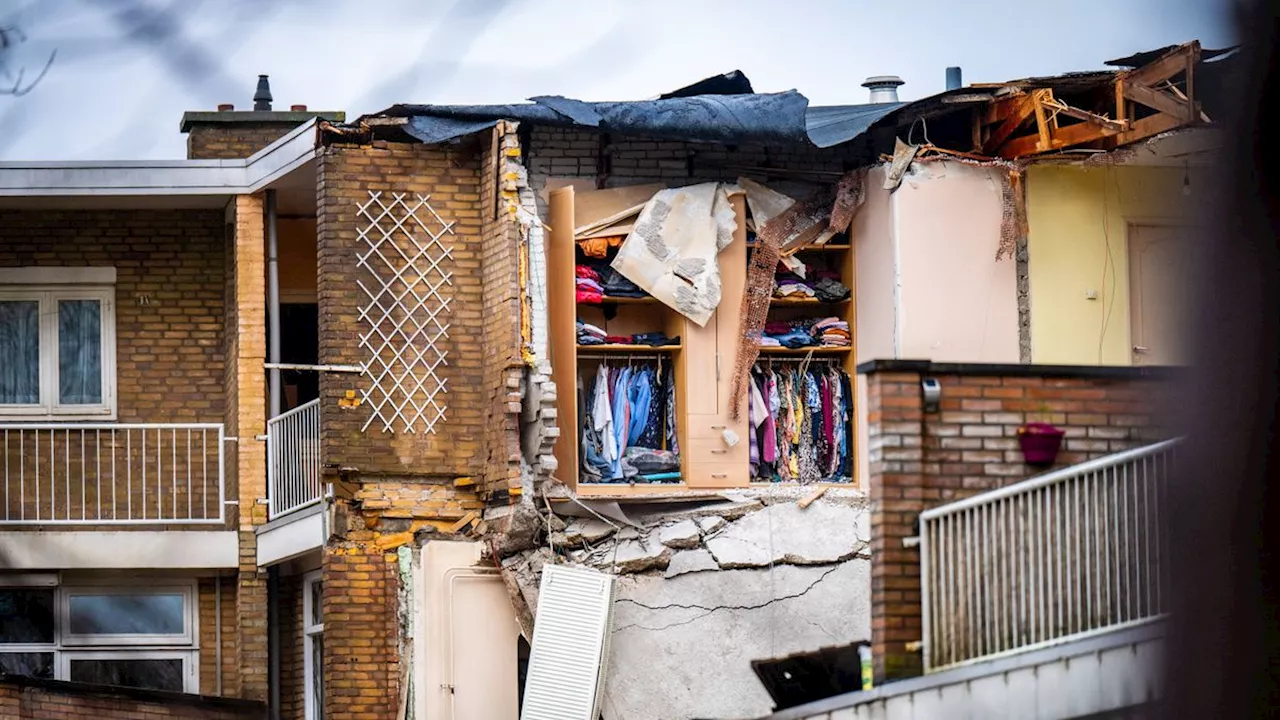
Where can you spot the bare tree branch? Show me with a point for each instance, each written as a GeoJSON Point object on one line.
{"type": "Point", "coordinates": [10, 37]}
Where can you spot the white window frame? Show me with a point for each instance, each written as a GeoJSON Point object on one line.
{"type": "Point", "coordinates": [65, 648]}
{"type": "Point", "coordinates": [187, 637]}
{"type": "Point", "coordinates": [49, 407]}
{"type": "Point", "coordinates": [310, 631]}
{"type": "Point", "coordinates": [189, 658]}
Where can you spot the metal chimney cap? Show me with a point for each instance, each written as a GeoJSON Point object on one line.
{"type": "Point", "coordinates": [883, 81]}
{"type": "Point", "coordinates": [262, 97]}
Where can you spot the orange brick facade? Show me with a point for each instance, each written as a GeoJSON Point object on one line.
{"type": "Point", "coordinates": [26, 699]}
{"type": "Point", "coordinates": [920, 460]}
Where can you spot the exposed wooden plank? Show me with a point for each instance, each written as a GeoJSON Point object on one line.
{"type": "Point", "coordinates": [1145, 128]}
{"type": "Point", "coordinates": [1042, 125]}
{"type": "Point", "coordinates": [1064, 109]}
{"type": "Point", "coordinates": [1193, 59]}
{"type": "Point", "coordinates": [1122, 112]}
{"type": "Point", "coordinates": [1172, 63]}
{"type": "Point", "coordinates": [1017, 111]}
{"type": "Point", "coordinates": [1157, 100]}
{"type": "Point", "coordinates": [1069, 136]}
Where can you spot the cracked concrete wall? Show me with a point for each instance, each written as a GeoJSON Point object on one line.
{"type": "Point", "coordinates": [706, 588]}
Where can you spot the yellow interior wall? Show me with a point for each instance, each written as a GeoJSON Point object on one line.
{"type": "Point", "coordinates": [1078, 222]}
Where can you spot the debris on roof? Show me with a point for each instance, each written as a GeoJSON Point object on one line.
{"type": "Point", "coordinates": [730, 83]}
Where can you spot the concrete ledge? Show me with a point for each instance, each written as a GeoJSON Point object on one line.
{"type": "Point", "coordinates": [123, 549]}
{"type": "Point", "coordinates": [1109, 372]}
{"type": "Point", "coordinates": [291, 536]}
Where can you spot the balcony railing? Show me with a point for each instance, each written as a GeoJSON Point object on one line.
{"type": "Point", "coordinates": [293, 459]}
{"type": "Point", "coordinates": [1054, 558]}
{"type": "Point", "coordinates": [112, 473]}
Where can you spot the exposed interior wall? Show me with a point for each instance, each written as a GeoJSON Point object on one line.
{"type": "Point", "coordinates": [875, 263]}
{"type": "Point", "coordinates": [1078, 219]}
{"type": "Point", "coordinates": [296, 238]}
{"type": "Point", "coordinates": [958, 304]}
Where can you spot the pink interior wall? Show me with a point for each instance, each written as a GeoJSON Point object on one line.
{"type": "Point", "coordinates": [874, 270]}
{"type": "Point", "coordinates": [957, 304]}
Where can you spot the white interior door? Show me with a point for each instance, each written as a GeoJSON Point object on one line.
{"type": "Point", "coordinates": [1160, 293]}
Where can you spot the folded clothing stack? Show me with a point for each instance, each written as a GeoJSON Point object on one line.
{"type": "Point", "coordinates": [827, 286]}
{"type": "Point", "coordinates": [791, 334]}
{"type": "Point", "coordinates": [588, 288]}
{"type": "Point", "coordinates": [789, 285]}
{"type": "Point", "coordinates": [831, 332]}
{"type": "Point", "coordinates": [589, 334]}
{"type": "Point", "coordinates": [597, 282]}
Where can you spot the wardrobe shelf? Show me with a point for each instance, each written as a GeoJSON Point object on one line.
{"type": "Point", "coordinates": [622, 301]}
{"type": "Point", "coordinates": [815, 349]}
{"type": "Point", "coordinates": [805, 302]}
{"type": "Point", "coordinates": [623, 349]}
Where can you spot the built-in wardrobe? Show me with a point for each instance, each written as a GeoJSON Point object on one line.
{"type": "Point", "coordinates": [691, 365]}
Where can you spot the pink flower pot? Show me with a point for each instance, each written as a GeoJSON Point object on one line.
{"type": "Point", "coordinates": [1040, 443]}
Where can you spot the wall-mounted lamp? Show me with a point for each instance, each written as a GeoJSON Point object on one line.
{"type": "Point", "coordinates": [931, 390]}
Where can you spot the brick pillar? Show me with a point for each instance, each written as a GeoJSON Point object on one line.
{"type": "Point", "coordinates": [361, 633]}
{"type": "Point", "coordinates": [895, 431]}
{"type": "Point", "coordinates": [250, 420]}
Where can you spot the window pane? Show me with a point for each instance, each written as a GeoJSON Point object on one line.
{"type": "Point", "coordinates": [317, 590]}
{"type": "Point", "coordinates": [150, 674]}
{"type": "Point", "coordinates": [30, 664]}
{"type": "Point", "coordinates": [317, 676]}
{"type": "Point", "coordinates": [126, 614]}
{"type": "Point", "coordinates": [19, 352]}
{"type": "Point", "coordinates": [26, 615]}
{"type": "Point", "coordinates": [79, 352]}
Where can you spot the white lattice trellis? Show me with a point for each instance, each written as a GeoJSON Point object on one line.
{"type": "Point", "coordinates": [408, 265]}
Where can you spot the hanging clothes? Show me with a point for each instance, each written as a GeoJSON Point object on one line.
{"type": "Point", "coordinates": [800, 424]}
{"type": "Point", "coordinates": [628, 425]}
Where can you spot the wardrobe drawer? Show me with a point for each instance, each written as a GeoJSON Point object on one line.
{"type": "Point", "coordinates": [716, 474]}
{"type": "Point", "coordinates": [712, 427]}
{"type": "Point", "coordinates": [715, 450]}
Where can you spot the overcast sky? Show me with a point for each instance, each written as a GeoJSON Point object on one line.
{"type": "Point", "coordinates": [127, 69]}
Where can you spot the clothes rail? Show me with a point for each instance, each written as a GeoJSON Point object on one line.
{"type": "Point", "coordinates": [623, 356]}
{"type": "Point", "coordinates": [811, 359]}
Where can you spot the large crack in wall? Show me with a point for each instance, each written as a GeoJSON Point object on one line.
{"type": "Point", "coordinates": [707, 586]}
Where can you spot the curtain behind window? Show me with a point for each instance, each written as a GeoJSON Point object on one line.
{"type": "Point", "coordinates": [79, 352]}
{"type": "Point", "coordinates": [19, 352]}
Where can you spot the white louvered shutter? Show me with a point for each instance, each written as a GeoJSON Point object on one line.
{"type": "Point", "coordinates": [570, 646]}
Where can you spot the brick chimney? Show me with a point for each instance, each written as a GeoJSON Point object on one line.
{"type": "Point", "coordinates": [227, 133]}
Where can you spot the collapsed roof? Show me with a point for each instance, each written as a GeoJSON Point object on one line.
{"type": "Point", "coordinates": [1148, 93]}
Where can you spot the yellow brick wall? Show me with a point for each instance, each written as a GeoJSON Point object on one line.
{"type": "Point", "coordinates": [249, 421]}
{"type": "Point", "coordinates": [207, 602]}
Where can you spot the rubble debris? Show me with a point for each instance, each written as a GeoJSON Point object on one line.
{"type": "Point", "coordinates": [691, 561]}
{"type": "Point", "coordinates": [586, 531]}
{"type": "Point", "coordinates": [683, 534]}
{"type": "Point", "coordinates": [635, 556]}
{"type": "Point", "coordinates": [709, 525]}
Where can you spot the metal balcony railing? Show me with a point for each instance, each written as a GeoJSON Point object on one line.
{"type": "Point", "coordinates": [1053, 558]}
{"type": "Point", "coordinates": [112, 473]}
{"type": "Point", "coordinates": [293, 459]}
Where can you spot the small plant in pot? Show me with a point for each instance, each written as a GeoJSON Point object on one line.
{"type": "Point", "coordinates": [1040, 441]}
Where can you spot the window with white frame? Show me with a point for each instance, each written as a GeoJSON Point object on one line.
{"type": "Point", "coordinates": [57, 343]}
{"type": "Point", "coordinates": [140, 635]}
{"type": "Point", "coordinates": [313, 645]}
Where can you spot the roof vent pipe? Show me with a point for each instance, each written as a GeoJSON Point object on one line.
{"type": "Point", "coordinates": [884, 88]}
{"type": "Point", "coordinates": [954, 81]}
{"type": "Point", "coordinates": [262, 97]}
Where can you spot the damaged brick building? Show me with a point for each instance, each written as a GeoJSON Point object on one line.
{"type": "Point", "coordinates": [379, 326]}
